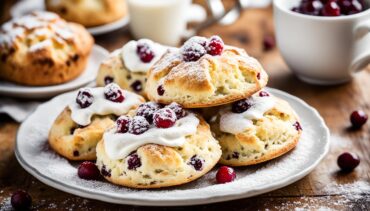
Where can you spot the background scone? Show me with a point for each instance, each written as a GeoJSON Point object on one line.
{"type": "Point", "coordinates": [76, 131]}
{"type": "Point", "coordinates": [42, 49]}
{"type": "Point", "coordinates": [255, 130]}
{"type": "Point", "coordinates": [128, 66]}
{"type": "Point", "coordinates": [204, 73]}
{"type": "Point", "coordinates": [176, 148]}
{"type": "Point", "coordinates": [88, 12]}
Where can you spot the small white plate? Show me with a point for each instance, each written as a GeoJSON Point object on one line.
{"type": "Point", "coordinates": [34, 154]}
{"type": "Point", "coordinates": [26, 6]}
{"type": "Point", "coordinates": [98, 54]}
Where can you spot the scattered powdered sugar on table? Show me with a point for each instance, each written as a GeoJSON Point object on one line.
{"type": "Point", "coordinates": [34, 152]}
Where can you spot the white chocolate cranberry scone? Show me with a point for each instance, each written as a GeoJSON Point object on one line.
{"type": "Point", "coordinates": [255, 130]}
{"type": "Point", "coordinates": [128, 66]}
{"type": "Point", "coordinates": [203, 73]}
{"type": "Point", "coordinates": [76, 131]}
{"type": "Point", "coordinates": [157, 147]}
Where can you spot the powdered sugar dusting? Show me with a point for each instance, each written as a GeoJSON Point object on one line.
{"type": "Point", "coordinates": [33, 135]}
{"type": "Point", "coordinates": [41, 45]}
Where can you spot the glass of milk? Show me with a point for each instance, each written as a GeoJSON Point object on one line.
{"type": "Point", "coordinates": [162, 21]}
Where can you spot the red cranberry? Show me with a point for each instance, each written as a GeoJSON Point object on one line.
{"type": "Point", "coordinates": [144, 51]}
{"type": "Point", "coordinates": [358, 118]}
{"type": "Point", "coordinates": [297, 126]}
{"type": "Point", "coordinates": [138, 125]}
{"type": "Point", "coordinates": [108, 80]}
{"type": "Point", "coordinates": [160, 90]}
{"type": "Point", "coordinates": [225, 174]}
{"type": "Point", "coordinates": [147, 110]}
{"type": "Point", "coordinates": [164, 118]}
{"type": "Point", "coordinates": [264, 94]}
{"type": "Point", "coordinates": [192, 51]}
{"type": "Point", "coordinates": [196, 162]}
{"type": "Point", "coordinates": [105, 172]}
{"type": "Point", "coordinates": [199, 40]}
{"type": "Point", "coordinates": [240, 106]}
{"type": "Point", "coordinates": [311, 7]}
{"type": "Point", "coordinates": [259, 76]}
{"type": "Point", "coordinates": [123, 124]}
{"type": "Point", "coordinates": [84, 98]}
{"type": "Point", "coordinates": [215, 46]}
{"type": "Point", "coordinates": [133, 161]}
{"type": "Point", "coordinates": [88, 171]}
{"type": "Point", "coordinates": [177, 108]}
{"type": "Point", "coordinates": [348, 161]}
{"type": "Point", "coordinates": [21, 200]}
{"type": "Point", "coordinates": [331, 8]}
{"type": "Point", "coordinates": [268, 42]}
{"type": "Point", "coordinates": [349, 7]}
{"type": "Point", "coordinates": [114, 93]}
{"type": "Point", "coordinates": [137, 86]}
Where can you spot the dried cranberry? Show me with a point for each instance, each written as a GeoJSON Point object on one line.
{"type": "Point", "coordinates": [225, 174]}
{"type": "Point", "coordinates": [297, 126]}
{"type": "Point", "coordinates": [138, 125]}
{"type": "Point", "coordinates": [123, 124]}
{"type": "Point", "coordinates": [147, 110]}
{"type": "Point", "coordinates": [114, 93]}
{"type": "Point", "coordinates": [196, 162]}
{"type": "Point", "coordinates": [105, 172]}
{"type": "Point", "coordinates": [348, 161]}
{"type": "Point", "coordinates": [240, 106]}
{"type": "Point", "coordinates": [144, 51]}
{"type": "Point", "coordinates": [137, 86]}
{"type": "Point", "coordinates": [164, 118]}
{"type": "Point", "coordinates": [84, 98]}
{"type": "Point", "coordinates": [264, 94]}
{"type": "Point", "coordinates": [88, 171]}
{"type": "Point", "coordinates": [268, 42]}
{"type": "Point", "coordinates": [21, 200]}
{"type": "Point", "coordinates": [108, 80]}
{"type": "Point", "coordinates": [358, 118]}
{"type": "Point", "coordinates": [160, 90]}
{"type": "Point", "coordinates": [215, 46]}
{"type": "Point", "coordinates": [133, 161]}
{"type": "Point", "coordinates": [177, 108]}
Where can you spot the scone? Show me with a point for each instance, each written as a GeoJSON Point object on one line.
{"type": "Point", "coordinates": [255, 130]}
{"type": "Point", "coordinates": [42, 49]}
{"type": "Point", "coordinates": [204, 73]}
{"type": "Point", "coordinates": [128, 66]}
{"type": "Point", "coordinates": [88, 12]}
{"type": "Point", "coordinates": [76, 131]}
{"type": "Point", "coordinates": [157, 147]}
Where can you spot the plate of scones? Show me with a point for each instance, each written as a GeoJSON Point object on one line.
{"type": "Point", "coordinates": [42, 55]}
{"type": "Point", "coordinates": [173, 126]}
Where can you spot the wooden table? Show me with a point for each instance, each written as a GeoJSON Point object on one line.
{"type": "Point", "coordinates": [325, 187]}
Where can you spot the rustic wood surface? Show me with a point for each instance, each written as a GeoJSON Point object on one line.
{"type": "Point", "coordinates": [324, 188]}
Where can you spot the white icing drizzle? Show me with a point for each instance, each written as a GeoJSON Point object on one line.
{"type": "Point", "coordinates": [41, 45]}
{"type": "Point", "coordinates": [102, 106]}
{"type": "Point", "coordinates": [132, 60]}
{"type": "Point", "coordinates": [119, 145]}
{"type": "Point", "coordinates": [237, 122]}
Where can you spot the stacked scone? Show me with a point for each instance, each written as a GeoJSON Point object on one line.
{"type": "Point", "coordinates": [166, 141]}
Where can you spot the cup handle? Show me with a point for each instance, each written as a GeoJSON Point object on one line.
{"type": "Point", "coordinates": [361, 55]}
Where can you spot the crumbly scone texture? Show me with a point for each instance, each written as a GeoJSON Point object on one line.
{"type": "Point", "coordinates": [74, 142]}
{"type": "Point", "coordinates": [163, 166]}
{"type": "Point", "coordinates": [268, 138]}
{"type": "Point", "coordinates": [87, 12]}
{"type": "Point", "coordinates": [210, 81]}
{"type": "Point", "coordinates": [42, 49]}
{"type": "Point", "coordinates": [113, 67]}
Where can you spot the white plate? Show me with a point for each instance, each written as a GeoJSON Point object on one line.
{"type": "Point", "coordinates": [34, 155]}
{"type": "Point", "coordinates": [23, 7]}
{"type": "Point", "coordinates": [98, 54]}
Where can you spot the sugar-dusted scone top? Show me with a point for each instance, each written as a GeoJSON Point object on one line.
{"type": "Point", "coordinates": [208, 81]}
{"type": "Point", "coordinates": [268, 136]}
{"type": "Point", "coordinates": [42, 49]}
{"type": "Point", "coordinates": [75, 132]}
{"type": "Point", "coordinates": [88, 12]}
{"type": "Point", "coordinates": [125, 67]}
{"type": "Point", "coordinates": [153, 165]}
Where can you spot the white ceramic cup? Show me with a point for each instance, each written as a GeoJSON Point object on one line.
{"type": "Point", "coordinates": [322, 50]}
{"type": "Point", "coordinates": [162, 21]}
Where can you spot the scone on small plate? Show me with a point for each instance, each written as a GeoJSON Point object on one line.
{"type": "Point", "coordinates": [128, 66]}
{"type": "Point", "coordinates": [76, 131]}
{"type": "Point", "coordinates": [255, 129]}
{"type": "Point", "coordinates": [88, 12]}
{"type": "Point", "coordinates": [157, 147]}
{"type": "Point", "coordinates": [204, 73]}
{"type": "Point", "coordinates": [41, 49]}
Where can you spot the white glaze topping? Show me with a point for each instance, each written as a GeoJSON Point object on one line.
{"type": "Point", "coordinates": [237, 122]}
{"type": "Point", "coordinates": [119, 145]}
{"type": "Point", "coordinates": [132, 60]}
{"type": "Point", "coordinates": [102, 106]}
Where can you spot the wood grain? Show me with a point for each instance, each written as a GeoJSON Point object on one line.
{"type": "Point", "coordinates": [324, 188]}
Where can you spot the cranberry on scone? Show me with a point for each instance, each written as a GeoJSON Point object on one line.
{"type": "Point", "coordinates": [113, 93]}
{"type": "Point", "coordinates": [164, 118]}
{"type": "Point", "coordinates": [84, 98]}
{"type": "Point", "coordinates": [144, 51]}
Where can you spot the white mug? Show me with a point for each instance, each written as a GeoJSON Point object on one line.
{"type": "Point", "coordinates": [162, 21]}
{"type": "Point", "coordinates": [322, 50]}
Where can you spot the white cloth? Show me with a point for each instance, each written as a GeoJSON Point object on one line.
{"type": "Point", "coordinates": [18, 110]}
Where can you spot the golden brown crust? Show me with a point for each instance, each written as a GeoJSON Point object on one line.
{"type": "Point", "coordinates": [52, 53]}
{"type": "Point", "coordinates": [210, 81]}
{"type": "Point", "coordinates": [163, 166]}
{"type": "Point", "coordinates": [88, 13]}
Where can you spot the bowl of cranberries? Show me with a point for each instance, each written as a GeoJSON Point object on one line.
{"type": "Point", "coordinates": [323, 41]}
